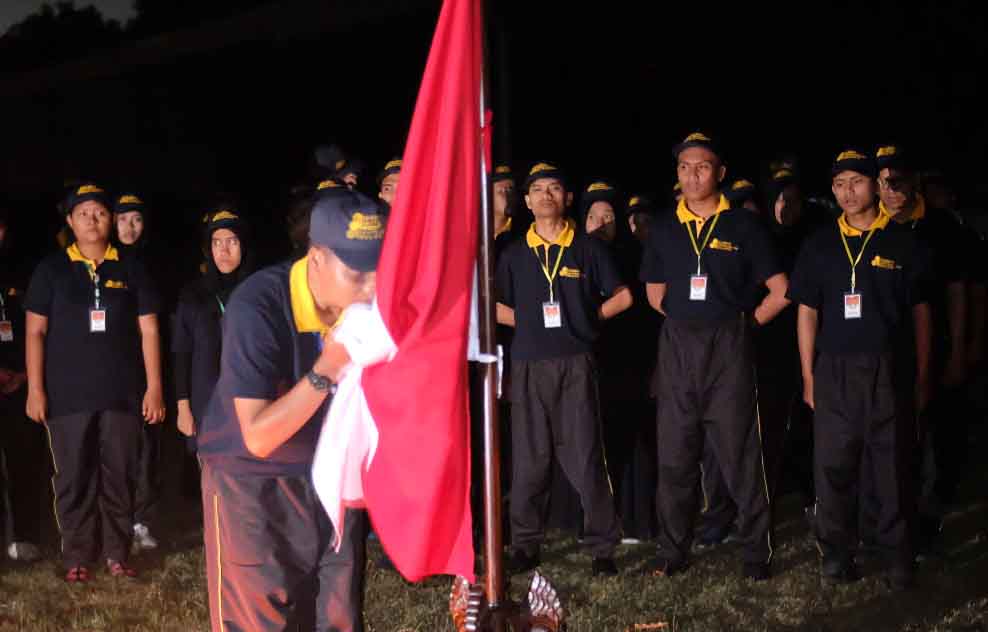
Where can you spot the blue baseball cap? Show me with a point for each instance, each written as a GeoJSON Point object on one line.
{"type": "Point", "coordinates": [351, 225]}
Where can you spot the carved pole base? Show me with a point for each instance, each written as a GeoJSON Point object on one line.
{"type": "Point", "coordinates": [542, 611]}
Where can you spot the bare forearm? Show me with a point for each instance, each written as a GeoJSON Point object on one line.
{"type": "Point", "coordinates": [806, 328]}
{"type": "Point", "coordinates": [505, 315]}
{"type": "Point", "coordinates": [267, 428]}
{"type": "Point", "coordinates": [151, 346]}
{"type": "Point", "coordinates": [775, 301]}
{"type": "Point", "coordinates": [656, 293]}
{"type": "Point", "coordinates": [957, 318]}
{"type": "Point", "coordinates": [619, 302]}
{"type": "Point", "coordinates": [35, 359]}
{"type": "Point", "coordinates": [923, 332]}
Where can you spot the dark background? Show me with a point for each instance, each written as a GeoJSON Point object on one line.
{"type": "Point", "coordinates": [187, 101]}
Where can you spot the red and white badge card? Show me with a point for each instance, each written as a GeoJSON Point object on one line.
{"type": "Point", "coordinates": [852, 305]}
{"type": "Point", "coordinates": [97, 321]}
{"type": "Point", "coordinates": [552, 315]}
{"type": "Point", "coordinates": [6, 331]}
{"type": "Point", "coordinates": [698, 287]}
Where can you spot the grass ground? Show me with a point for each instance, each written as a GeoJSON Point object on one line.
{"type": "Point", "coordinates": [170, 595]}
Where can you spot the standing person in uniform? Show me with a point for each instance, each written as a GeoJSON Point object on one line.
{"type": "Point", "coordinates": [387, 181]}
{"type": "Point", "coordinates": [22, 442]}
{"type": "Point", "coordinates": [267, 535]}
{"type": "Point", "coordinates": [702, 267]}
{"type": "Point", "coordinates": [91, 313]}
{"type": "Point", "coordinates": [129, 217]}
{"type": "Point", "coordinates": [950, 243]}
{"type": "Point", "coordinates": [197, 336]}
{"type": "Point", "coordinates": [859, 283]}
{"type": "Point", "coordinates": [554, 287]}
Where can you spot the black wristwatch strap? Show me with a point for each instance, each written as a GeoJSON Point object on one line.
{"type": "Point", "coordinates": [320, 382]}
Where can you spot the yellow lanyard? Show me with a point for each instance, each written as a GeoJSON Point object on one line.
{"type": "Point", "coordinates": [550, 277]}
{"type": "Point", "coordinates": [855, 260]}
{"type": "Point", "coordinates": [701, 247]}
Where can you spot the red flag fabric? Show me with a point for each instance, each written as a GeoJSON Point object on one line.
{"type": "Point", "coordinates": [417, 488]}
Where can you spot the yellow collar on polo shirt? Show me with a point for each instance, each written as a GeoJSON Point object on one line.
{"type": "Point", "coordinates": [75, 254]}
{"type": "Point", "coordinates": [303, 305]}
{"type": "Point", "coordinates": [684, 215]}
{"type": "Point", "coordinates": [850, 231]}
{"type": "Point", "coordinates": [919, 211]}
{"type": "Point", "coordinates": [564, 238]}
{"type": "Point", "coordinates": [503, 229]}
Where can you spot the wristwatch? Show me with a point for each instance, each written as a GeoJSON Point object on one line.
{"type": "Point", "coordinates": [320, 382]}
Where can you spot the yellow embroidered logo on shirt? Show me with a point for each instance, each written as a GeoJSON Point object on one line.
{"type": "Point", "coordinates": [365, 227]}
{"type": "Point", "coordinates": [883, 263]}
{"type": "Point", "coordinates": [718, 244]}
{"type": "Point", "coordinates": [117, 285]}
{"type": "Point", "coordinates": [569, 273]}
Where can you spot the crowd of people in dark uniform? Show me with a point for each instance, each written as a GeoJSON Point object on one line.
{"type": "Point", "coordinates": [672, 372]}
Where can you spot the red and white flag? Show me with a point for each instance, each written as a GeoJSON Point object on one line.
{"type": "Point", "coordinates": [414, 454]}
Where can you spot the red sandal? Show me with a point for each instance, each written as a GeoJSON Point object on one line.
{"type": "Point", "coordinates": [119, 569]}
{"type": "Point", "coordinates": [77, 575]}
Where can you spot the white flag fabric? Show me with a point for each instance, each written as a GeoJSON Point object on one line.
{"type": "Point", "coordinates": [349, 436]}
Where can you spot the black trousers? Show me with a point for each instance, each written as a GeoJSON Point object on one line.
{"type": "Point", "coordinates": [148, 484]}
{"type": "Point", "coordinates": [555, 414]}
{"type": "Point", "coordinates": [270, 560]}
{"type": "Point", "coordinates": [23, 471]}
{"type": "Point", "coordinates": [862, 405]}
{"type": "Point", "coordinates": [95, 457]}
{"type": "Point", "coordinates": [718, 511]}
{"type": "Point", "coordinates": [706, 387]}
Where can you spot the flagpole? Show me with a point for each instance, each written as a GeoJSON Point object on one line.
{"type": "Point", "coordinates": [493, 544]}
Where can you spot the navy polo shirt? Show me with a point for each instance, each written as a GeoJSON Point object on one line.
{"type": "Point", "coordinates": [271, 339]}
{"type": "Point", "coordinates": [739, 257]}
{"type": "Point", "coordinates": [587, 276]}
{"type": "Point", "coordinates": [894, 274]}
{"type": "Point", "coordinates": [85, 371]}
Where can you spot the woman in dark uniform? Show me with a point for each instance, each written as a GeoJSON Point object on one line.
{"type": "Point", "coordinates": [197, 334]}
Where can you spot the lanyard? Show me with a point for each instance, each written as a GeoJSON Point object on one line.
{"type": "Point", "coordinates": [94, 275]}
{"type": "Point", "coordinates": [698, 249]}
{"type": "Point", "coordinates": [855, 260]}
{"type": "Point", "coordinates": [219, 302]}
{"type": "Point", "coordinates": [550, 277]}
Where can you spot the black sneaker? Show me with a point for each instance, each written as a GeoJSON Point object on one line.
{"type": "Point", "coordinates": [836, 571]}
{"type": "Point", "coordinates": [756, 571]}
{"type": "Point", "coordinates": [521, 562]}
{"type": "Point", "coordinates": [603, 566]}
{"type": "Point", "coordinates": [661, 567]}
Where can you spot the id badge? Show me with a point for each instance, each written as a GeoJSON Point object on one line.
{"type": "Point", "coordinates": [97, 321]}
{"type": "Point", "coordinates": [852, 305]}
{"type": "Point", "coordinates": [6, 331]}
{"type": "Point", "coordinates": [552, 315]}
{"type": "Point", "coordinates": [698, 287]}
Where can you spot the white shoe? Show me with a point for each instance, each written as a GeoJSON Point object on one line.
{"type": "Point", "coordinates": [143, 540]}
{"type": "Point", "coordinates": [23, 552]}
{"type": "Point", "coordinates": [630, 541]}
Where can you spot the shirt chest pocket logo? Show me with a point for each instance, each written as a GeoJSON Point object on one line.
{"type": "Point", "coordinates": [569, 273]}
{"type": "Point", "coordinates": [724, 246]}
{"type": "Point", "coordinates": [885, 264]}
{"type": "Point", "coordinates": [116, 285]}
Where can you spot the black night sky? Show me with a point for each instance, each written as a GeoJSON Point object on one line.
{"type": "Point", "coordinates": [236, 103]}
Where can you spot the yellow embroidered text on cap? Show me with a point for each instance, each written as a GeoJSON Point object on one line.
{"type": "Point", "coordinates": [365, 227]}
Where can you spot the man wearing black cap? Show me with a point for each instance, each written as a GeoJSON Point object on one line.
{"type": "Point", "coordinates": [266, 534]}
{"type": "Point", "coordinates": [350, 173]}
{"type": "Point", "coordinates": [953, 249]}
{"type": "Point", "coordinates": [859, 283]}
{"type": "Point", "coordinates": [702, 267]}
{"type": "Point", "coordinates": [741, 194]}
{"type": "Point", "coordinates": [554, 287]}
{"type": "Point", "coordinates": [387, 181]}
